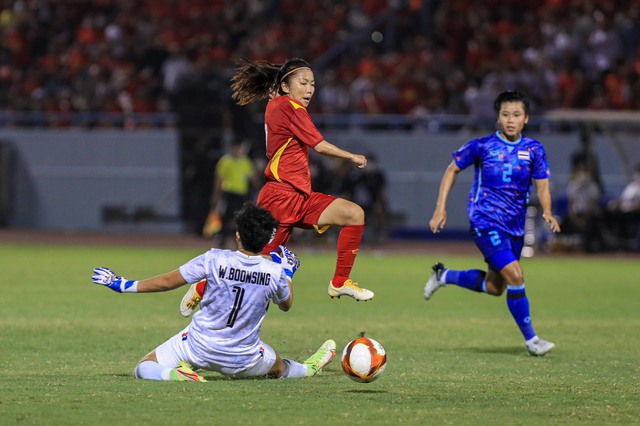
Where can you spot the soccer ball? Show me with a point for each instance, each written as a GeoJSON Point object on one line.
{"type": "Point", "coordinates": [364, 360]}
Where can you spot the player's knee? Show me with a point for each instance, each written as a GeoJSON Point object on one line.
{"type": "Point", "coordinates": [516, 277]}
{"type": "Point", "coordinates": [354, 214]}
{"type": "Point", "coordinates": [498, 291]}
{"type": "Point", "coordinates": [494, 285]}
{"type": "Point", "coordinates": [512, 274]}
{"type": "Point", "coordinates": [494, 290]}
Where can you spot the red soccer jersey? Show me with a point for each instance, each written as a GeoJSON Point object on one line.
{"type": "Point", "coordinates": [290, 134]}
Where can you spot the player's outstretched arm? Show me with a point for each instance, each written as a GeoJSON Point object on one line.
{"type": "Point", "coordinates": [439, 218]}
{"type": "Point", "coordinates": [544, 197]}
{"type": "Point", "coordinates": [163, 282]}
{"type": "Point", "coordinates": [330, 150]}
{"type": "Point", "coordinates": [106, 277]}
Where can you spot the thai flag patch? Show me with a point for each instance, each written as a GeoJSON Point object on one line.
{"type": "Point", "coordinates": [524, 155]}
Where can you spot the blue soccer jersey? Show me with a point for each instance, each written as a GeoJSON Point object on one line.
{"type": "Point", "coordinates": [504, 173]}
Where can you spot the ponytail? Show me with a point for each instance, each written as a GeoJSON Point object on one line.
{"type": "Point", "coordinates": [254, 81]}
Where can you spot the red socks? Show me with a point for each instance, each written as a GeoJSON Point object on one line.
{"type": "Point", "coordinates": [348, 244]}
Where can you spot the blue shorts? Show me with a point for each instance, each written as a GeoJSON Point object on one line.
{"type": "Point", "coordinates": [498, 248]}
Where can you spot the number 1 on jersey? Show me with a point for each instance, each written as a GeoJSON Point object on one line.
{"type": "Point", "coordinates": [237, 304]}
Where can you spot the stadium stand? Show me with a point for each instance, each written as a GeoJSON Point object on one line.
{"type": "Point", "coordinates": [72, 59]}
{"type": "Point", "coordinates": [419, 66]}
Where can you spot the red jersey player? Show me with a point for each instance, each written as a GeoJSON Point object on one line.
{"type": "Point", "coordinates": [287, 193]}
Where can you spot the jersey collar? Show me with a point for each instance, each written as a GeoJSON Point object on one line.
{"type": "Point", "coordinates": [506, 141]}
{"type": "Point", "coordinates": [248, 256]}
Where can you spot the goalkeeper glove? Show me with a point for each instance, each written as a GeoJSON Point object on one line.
{"type": "Point", "coordinates": [289, 261]}
{"type": "Point", "coordinates": [107, 277]}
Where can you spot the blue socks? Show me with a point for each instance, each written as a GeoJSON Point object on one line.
{"type": "Point", "coordinates": [471, 279]}
{"type": "Point", "coordinates": [519, 307]}
{"type": "Point", "coordinates": [517, 302]}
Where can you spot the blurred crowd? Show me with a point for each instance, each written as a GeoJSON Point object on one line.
{"type": "Point", "coordinates": [371, 56]}
{"type": "Point", "coordinates": [595, 221]}
{"type": "Point", "coordinates": [125, 58]}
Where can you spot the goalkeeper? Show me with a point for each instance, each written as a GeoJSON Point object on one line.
{"type": "Point", "coordinates": [224, 336]}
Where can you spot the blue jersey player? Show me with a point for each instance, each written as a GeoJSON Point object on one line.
{"type": "Point", "coordinates": [506, 166]}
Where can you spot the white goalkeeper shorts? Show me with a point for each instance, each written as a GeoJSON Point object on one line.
{"type": "Point", "coordinates": [176, 349]}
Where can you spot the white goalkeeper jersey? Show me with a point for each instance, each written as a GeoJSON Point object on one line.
{"type": "Point", "coordinates": [226, 329]}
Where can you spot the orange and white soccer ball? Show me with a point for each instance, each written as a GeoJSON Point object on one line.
{"type": "Point", "coordinates": [364, 360]}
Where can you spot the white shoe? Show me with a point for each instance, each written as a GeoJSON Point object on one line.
{"type": "Point", "coordinates": [351, 289]}
{"type": "Point", "coordinates": [539, 347]}
{"type": "Point", "coordinates": [435, 280]}
{"type": "Point", "coordinates": [190, 301]}
{"type": "Point", "coordinates": [323, 356]}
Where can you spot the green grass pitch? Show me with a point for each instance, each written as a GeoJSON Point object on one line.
{"type": "Point", "coordinates": [68, 347]}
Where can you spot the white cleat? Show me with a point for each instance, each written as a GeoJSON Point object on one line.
{"type": "Point", "coordinates": [539, 347]}
{"type": "Point", "coordinates": [435, 280]}
{"type": "Point", "coordinates": [190, 301]}
{"type": "Point", "coordinates": [351, 289]}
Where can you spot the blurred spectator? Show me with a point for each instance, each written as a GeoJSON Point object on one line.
{"type": "Point", "coordinates": [584, 216]}
{"type": "Point", "coordinates": [586, 158]}
{"type": "Point", "coordinates": [174, 68]}
{"type": "Point", "coordinates": [321, 179]}
{"type": "Point", "coordinates": [370, 192]}
{"type": "Point", "coordinates": [366, 187]}
{"type": "Point", "coordinates": [333, 95]}
{"type": "Point", "coordinates": [623, 214]}
{"type": "Point", "coordinates": [129, 57]}
{"type": "Point", "coordinates": [233, 180]}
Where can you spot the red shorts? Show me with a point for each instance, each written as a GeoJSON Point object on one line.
{"type": "Point", "coordinates": [292, 210]}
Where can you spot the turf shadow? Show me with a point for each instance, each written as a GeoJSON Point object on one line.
{"type": "Point", "coordinates": [507, 350]}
